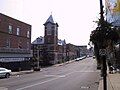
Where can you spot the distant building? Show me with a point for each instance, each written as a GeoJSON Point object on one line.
{"type": "Point", "coordinates": [51, 50]}
{"type": "Point", "coordinates": [40, 50]}
{"type": "Point", "coordinates": [51, 40]}
{"type": "Point", "coordinates": [91, 51]}
{"type": "Point", "coordinates": [71, 51]}
{"type": "Point", "coordinates": [83, 50]}
{"type": "Point", "coordinates": [61, 51]}
{"type": "Point", "coordinates": [15, 43]}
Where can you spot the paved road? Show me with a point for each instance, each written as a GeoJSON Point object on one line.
{"type": "Point", "coordinates": [80, 75]}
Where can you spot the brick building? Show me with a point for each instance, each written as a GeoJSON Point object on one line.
{"type": "Point", "coordinates": [40, 51]}
{"type": "Point", "coordinates": [83, 50]}
{"type": "Point", "coordinates": [15, 43]}
{"type": "Point", "coordinates": [51, 50]}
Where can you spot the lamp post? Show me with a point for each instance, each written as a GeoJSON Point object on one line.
{"type": "Point", "coordinates": [103, 56]}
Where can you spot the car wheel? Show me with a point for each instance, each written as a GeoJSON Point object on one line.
{"type": "Point", "coordinates": [7, 75]}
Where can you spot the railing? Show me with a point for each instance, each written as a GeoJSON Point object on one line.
{"type": "Point", "coordinates": [14, 50]}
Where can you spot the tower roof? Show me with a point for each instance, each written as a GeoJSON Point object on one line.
{"type": "Point", "coordinates": [50, 19]}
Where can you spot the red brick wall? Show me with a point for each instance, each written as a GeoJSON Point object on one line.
{"type": "Point", "coordinates": [15, 39]}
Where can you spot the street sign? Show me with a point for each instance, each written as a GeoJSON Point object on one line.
{"type": "Point", "coordinates": [102, 52]}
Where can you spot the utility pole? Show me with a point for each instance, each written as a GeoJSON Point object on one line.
{"type": "Point", "coordinates": [38, 66]}
{"type": "Point", "coordinates": [103, 57]}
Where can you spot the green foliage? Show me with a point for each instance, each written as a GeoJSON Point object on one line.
{"type": "Point", "coordinates": [104, 33]}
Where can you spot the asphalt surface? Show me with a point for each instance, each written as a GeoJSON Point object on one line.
{"type": "Point", "coordinates": [79, 75]}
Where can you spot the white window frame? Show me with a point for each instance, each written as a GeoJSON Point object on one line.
{"type": "Point", "coordinates": [10, 29]}
{"type": "Point", "coordinates": [28, 34]}
{"type": "Point", "coordinates": [18, 31]}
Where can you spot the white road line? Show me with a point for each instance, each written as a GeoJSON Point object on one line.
{"type": "Point", "coordinates": [3, 88]}
{"type": "Point", "coordinates": [43, 82]}
{"type": "Point", "coordinates": [57, 77]}
{"type": "Point", "coordinates": [37, 84]}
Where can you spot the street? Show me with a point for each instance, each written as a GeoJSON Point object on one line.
{"type": "Point", "coordinates": [78, 75]}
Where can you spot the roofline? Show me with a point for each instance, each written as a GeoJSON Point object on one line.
{"type": "Point", "coordinates": [15, 19]}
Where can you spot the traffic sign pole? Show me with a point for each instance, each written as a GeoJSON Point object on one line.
{"type": "Point", "coordinates": [104, 70]}
{"type": "Point", "coordinates": [104, 66]}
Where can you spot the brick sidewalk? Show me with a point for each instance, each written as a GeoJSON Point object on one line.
{"type": "Point", "coordinates": [113, 82]}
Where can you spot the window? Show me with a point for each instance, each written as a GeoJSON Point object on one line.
{"type": "Point", "coordinates": [18, 31]}
{"type": "Point", "coordinates": [28, 34]}
{"type": "Point", "coordinates": [52, 27]}
{"type": "Point", "coordinates": [28, 45]}
{"type": "Point", "coordinates": [8, 43]}
{"type": "Point", "coordinates": [10, 29]}
{"type": "Point", "coordinates": [48, 32]}
{"type": "Point", "coordinates": [19, 44]}
{"type": "Point", "coordinates": [49, 40]}
{"type": "Point", "coordinates": [56, 33]}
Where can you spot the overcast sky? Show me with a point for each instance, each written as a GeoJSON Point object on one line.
{"type": "Point", "coordinates": [75, 17]}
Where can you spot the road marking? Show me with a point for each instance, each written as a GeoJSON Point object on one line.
{"type": "Point", "coordinates": [84, 87]}
{"type": "Point", "coordinates": [56, 77]}
{"type": "Point", "coordinates": [37, 83]}
{"type": "Point", "coordinates": [44, 81]}
{"type": "Point", "coordinates": [3, 88]}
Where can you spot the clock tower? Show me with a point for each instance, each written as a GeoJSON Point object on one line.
{"type": "Point", "coordinates": [51, 39]}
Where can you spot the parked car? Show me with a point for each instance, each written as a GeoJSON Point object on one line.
{"type": "Point", "coordinates": [77, 59]}
{"type": "Point", "coordinates": [5, 72]}
{"type": "Point", "coordinates": [81, 58]}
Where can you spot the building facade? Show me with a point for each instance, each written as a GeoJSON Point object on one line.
{"type": "Point", "coordinates": [15, 43]}
{"type": "Point", "coordinates": [51, 50]}
{"type": "Point", "coordinates": [83, 50]}
{"type": "Point", "coordinates": [51, 39]}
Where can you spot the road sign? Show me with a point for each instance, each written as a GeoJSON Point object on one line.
{"type": "Point", "coordinates": [102, 52]}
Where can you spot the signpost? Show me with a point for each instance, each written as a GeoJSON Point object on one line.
{"type": "Point", "coordinates": [102, 50]}
{"type": "Point", "coordinates": [102, 53]}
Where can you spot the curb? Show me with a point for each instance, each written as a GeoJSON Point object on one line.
{"type": "Point", "coordinates": [61, 64]}
{"type": "Point", "coordinates": [21, 72]}
{"type": "Point", "coordinates": [32, 71]}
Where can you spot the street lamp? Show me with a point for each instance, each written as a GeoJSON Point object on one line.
{"type": "Point", "coordinates": [103, 56]}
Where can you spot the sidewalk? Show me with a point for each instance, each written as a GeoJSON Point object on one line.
{"type": "Point", "coordinates": [64, 63]}
{"type": "Point", "coordinates": [113, 82]}
{"type": "Point", "coordinates": [22, 72]}
{"type": "Point", "coordinates": [31, 71]}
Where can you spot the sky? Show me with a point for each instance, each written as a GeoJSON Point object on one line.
{"type": "Point", "coordinates": [75, 17]}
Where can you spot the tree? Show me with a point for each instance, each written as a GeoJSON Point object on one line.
{"type": "Point", "coordinates": [103, 37]}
